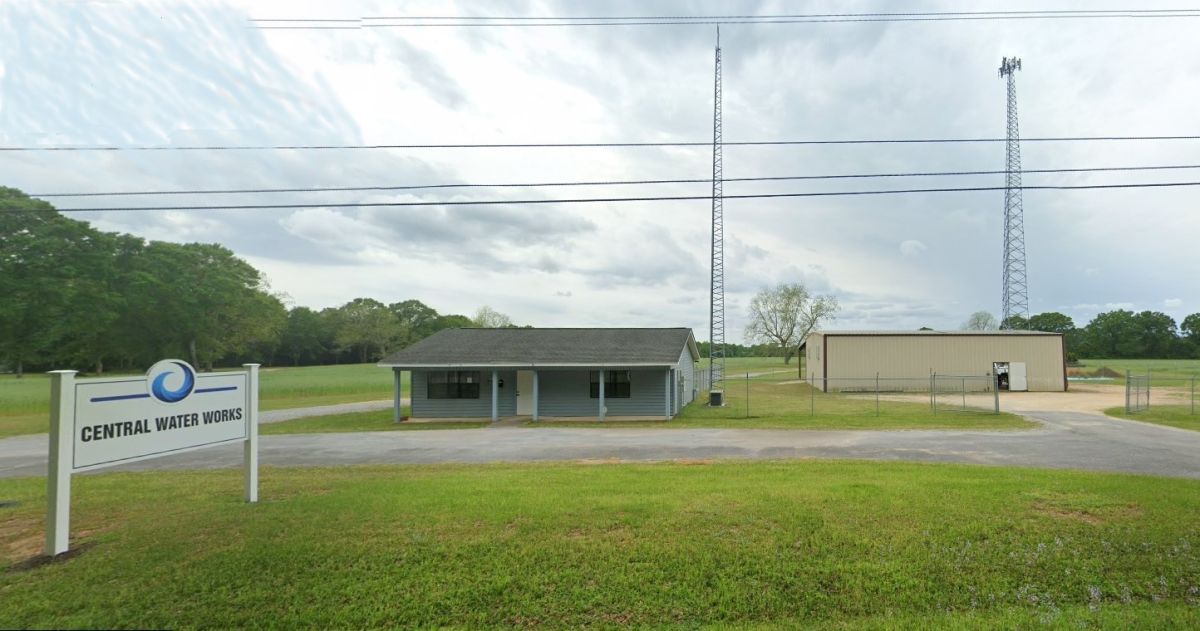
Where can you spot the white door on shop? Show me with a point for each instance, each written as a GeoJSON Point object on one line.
{"type": "Point", "coordinates": [524, 392]}
{"type": "Point", "coordinates": [1016, 377]}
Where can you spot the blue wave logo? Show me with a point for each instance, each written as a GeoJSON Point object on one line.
{"type": "Point", "coordinates": [160, 372]}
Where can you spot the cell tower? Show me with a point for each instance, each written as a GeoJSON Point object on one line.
{"type": "Point", "coordinates": [716, 305]}
{"type": "Point", "coordinates": [1016, 291]}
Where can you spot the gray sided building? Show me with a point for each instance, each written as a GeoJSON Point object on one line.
{"type": "Point", "coordinates": [548, 373]}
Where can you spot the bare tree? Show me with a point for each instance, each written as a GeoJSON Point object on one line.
{"type": "Point", "coordinates": [786, 314]}
{"type": "Point", "coordinates": [489, 318]}
{"type": "Point", "coordinates": [981, 321]}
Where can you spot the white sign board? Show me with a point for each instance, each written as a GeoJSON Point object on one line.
{"type": "Point", "coordinates": [98, 423]}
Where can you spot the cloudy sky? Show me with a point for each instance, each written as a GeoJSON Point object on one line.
{"type": "Point", "coordinates": [117, 73]}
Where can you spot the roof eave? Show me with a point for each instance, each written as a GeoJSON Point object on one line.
{"type": "Point", "coordinates": [525, 365]}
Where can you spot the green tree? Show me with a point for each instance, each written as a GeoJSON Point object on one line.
{"type": "Point", "coordinates": [99, 300]}
{"type": "Point", "coordinates": [1190, 328]}
{"type": "Point", "coordinates": [786, 314]}
{"type": "Point", "coordinates": [366, 325]}
{"type": "Point", "coordinates": [200, 300]}
{"type": "Point", "coordinates": [1113, 334]}
{"type": "Point", "coordinates": [1052, 322]}
{"type": "Point", "coordinates": [53, 291]}
{"type": "Point", "coordinates": [1015, 322]}
{"type": "Point", "coordinates": [452, 321]}
{"type": "Point", "coordinates": [489, 318]}
{"type": "Point", "coordinates": [306, 337]}
{"type": "Point", "coordinates": [1156, 334]}
{"type": "Point", "coordinates": [417, 320]}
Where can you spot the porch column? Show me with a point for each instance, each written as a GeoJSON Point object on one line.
{"type": "Point", "coordinates": [667, 395]}
{"type": "Point", "coordinates": [495, 396]}
{"type": "Point", "coordinates": [535, 395]}
{"type": "Point", "coordinates": [601, 394]}
{"type": "Point", "coordinates": [397, 413]}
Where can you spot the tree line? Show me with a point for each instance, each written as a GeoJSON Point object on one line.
{"type": "Point", "coordinates": [1118, 334]}
{"type": "Point", "coordinates": [72, 296]}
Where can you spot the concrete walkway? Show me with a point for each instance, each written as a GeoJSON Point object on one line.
{"type": "Point", "coordinates": [1067, 440]}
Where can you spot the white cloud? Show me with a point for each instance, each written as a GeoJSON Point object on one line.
{"type": "Point", "coordinates": [1172, 303]}
{"type": "Point", "coordinates": [912, 247]}
{"type": "Point", "coordinates": [632, 263]}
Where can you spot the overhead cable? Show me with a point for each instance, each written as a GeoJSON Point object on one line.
{"type": "Point", "coordinates": [778, 178]}
{"type": "Point", "coordinates": [561, 145]}
{"type": "Point", "coordinates": [593, 200]}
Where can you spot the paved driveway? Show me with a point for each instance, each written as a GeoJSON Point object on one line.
{"type": "Point", "coordinates": [1067, 440]}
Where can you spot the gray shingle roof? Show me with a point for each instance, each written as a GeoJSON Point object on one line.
{"type": "Point", "coordinates": [895, 332]}
{"type": "Point", "coordinates": [545, 347]}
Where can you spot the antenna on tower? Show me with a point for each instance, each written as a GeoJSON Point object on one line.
{"type": "Point", "coordinates": [1015, 301]}
{"type": "Point", "coordinates": [716, 311]}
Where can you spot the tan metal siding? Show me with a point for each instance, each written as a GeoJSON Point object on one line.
{"type": "Point", "coordinates": [916, 356]}
{"type": "Point", "coordinates": [814, 356]}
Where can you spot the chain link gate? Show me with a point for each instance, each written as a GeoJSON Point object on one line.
{"type": "Point", "coordinates": [1137, 392]}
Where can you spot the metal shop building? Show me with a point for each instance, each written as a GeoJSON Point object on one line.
{"type": "Point", "coordinates": [548, 373]}
{"type": "Point", "coordinates": [1021, 360]}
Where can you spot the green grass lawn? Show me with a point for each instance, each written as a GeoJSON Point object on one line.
{"type": "Point", "coordinates": [739, 366]}
{"type": "Point", "coordinates": [24, 403]}
{"type": "Point", "coordinates": [1180, 416]}
{"type": "Point", "coordinates": [1175, 371]}
{"type": "Point", "coordinates": [811, 543]}
{"type": "Point", "coordinates": [373, 421]}
{"type": "Point", "coordinates": [776, 402]}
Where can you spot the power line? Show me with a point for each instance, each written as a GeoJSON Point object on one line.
{"type": "Point", "coordinates": [774, 16]}
{"type": "Point", "coordinates": [733, 17]}
{"type": "Point", "coordinates": [669, 20]}
{"type": "Point", "coordinates": [729, 22]}
{"type": "Point", "coordinates": [562, 145]}
{"type": "Point", "coordinates": [591, 200]}
{"type": "Point", "coordinates": [777, 178]}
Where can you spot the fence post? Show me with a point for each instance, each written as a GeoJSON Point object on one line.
{"type": "Point", "coordinates": [812, 395]}
{"type": "Point", "coordinates": [1193, 394]}
{"type": "Point", "coordinates": [964, 393]}
{"type": "Point", "coordinates": [876, 394]}
{"type": "Point", "coordinates": [1147, 388]}
{"type": "Point", "coordinates": [747, 395]}
{"type": "Point", "coordinates": [1127, 375]}
{"type": "Point", "coordinates": [933, 391]}
{"type": "Point", "coordinates": [996, 391]}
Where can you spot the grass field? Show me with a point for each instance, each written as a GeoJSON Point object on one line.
{"type": "Point", "coordinates": [24, 403]}
{"type": "Point", "coordinates": [1174, 415]}
{"type": "Point", "coordinates": [778, 401]}
{"type": "Point", "coordinates": [814, 544]}
{"type": "Point", "coordinates": [1175, 370]}
{"type": "Point", "coordinates": [373, 421]}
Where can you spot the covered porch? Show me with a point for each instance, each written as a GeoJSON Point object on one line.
{"type": "Point", "coordinates": [541, 392]}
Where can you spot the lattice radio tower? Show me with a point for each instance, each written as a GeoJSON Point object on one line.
{"type": "Point", "coordinates": [1016, 291]}
{"type": "Point", "coordinates": [716, 310]}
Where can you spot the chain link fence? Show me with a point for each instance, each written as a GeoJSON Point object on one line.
{"type": "Point", "coordinates": [785, 393]}
{"type": "Point", "coordinates": [1169, 392]}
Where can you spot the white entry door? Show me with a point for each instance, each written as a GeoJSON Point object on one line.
{"type": "Point", "coordinates": [524, 392]}
{"type": "Point", "coordinates": [1016, 377]}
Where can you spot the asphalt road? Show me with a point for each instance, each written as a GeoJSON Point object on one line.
{"type": "Point", "coordinates": [1067, 440]}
